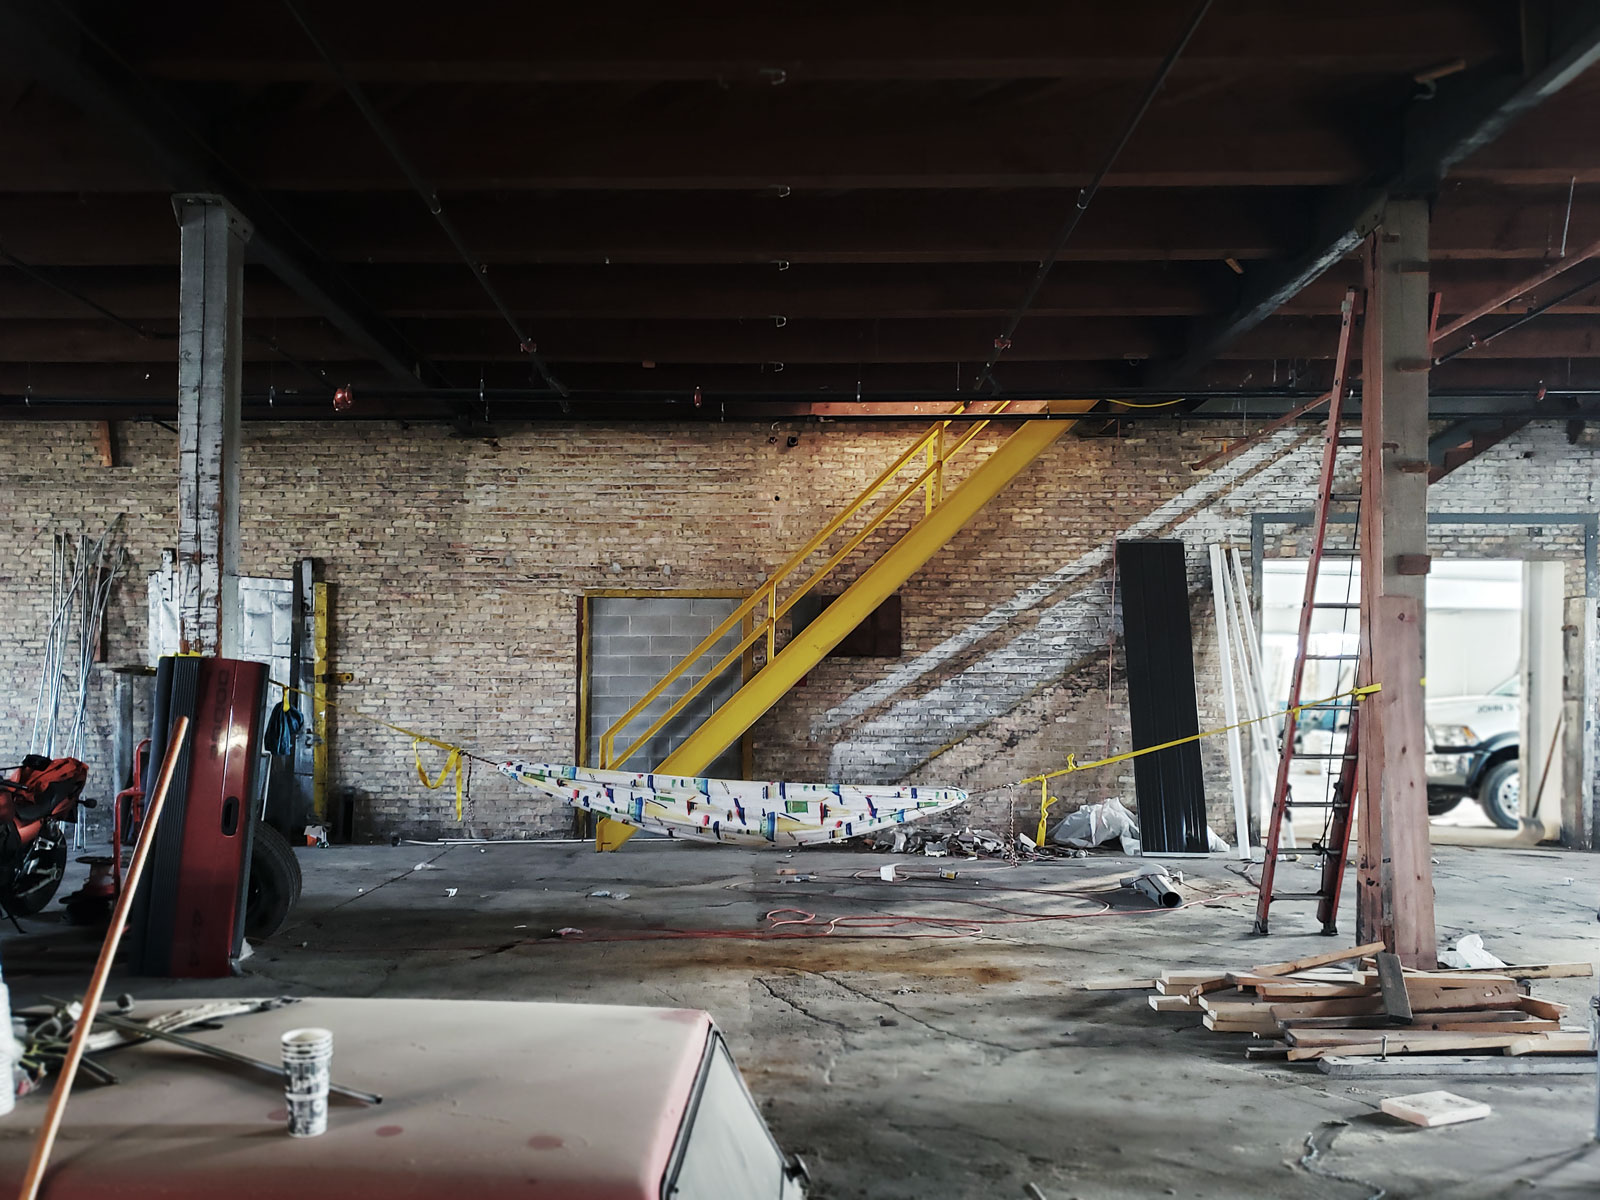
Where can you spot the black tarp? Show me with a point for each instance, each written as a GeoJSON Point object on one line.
{"type": "Point", "coordinates": [1161, 697]}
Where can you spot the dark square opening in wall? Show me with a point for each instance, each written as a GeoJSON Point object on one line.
{"type": "Point", "coordinates": [876, 637]}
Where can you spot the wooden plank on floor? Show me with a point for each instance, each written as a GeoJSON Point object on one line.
{"type": "Point", "coordinates": [1432, 997]}
{"type": "Point", "coordinates": [1217, 984]}
{"type": "Point", "coordinates": [1267, 1050]}
{"type": "Point", "coordinates": [1496, 1021]}
{"type": "Point", "coordinates": [1358, 1066]}
{"type": "Point", "coordinates": [1406, 1042]}
{"type": "Point", "coordinates": [1172, 983]}
{"type": "Point", "coordinates": [1317, 960]}
{"type": "Point", "coordinates": [1548, 1009]}
{"type": "Point", "coordinates": [1392, 984]}
{"type": "Point", "coordinates": [1577, 970]}
{"type": "Point", "coordinates": [1117, 985]}
{"type": "Point", "coordinates": [1355, 1006]}
{"type": "Point", "coordinates": [1573, 1041]}
{"type": "Point", "coordinates": [1171, 1004]}
{"type": "Point", "coordinates": [1292, 987]}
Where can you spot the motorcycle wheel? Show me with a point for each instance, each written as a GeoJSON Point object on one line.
{"type": "Point", "coordinates": [39, 875]}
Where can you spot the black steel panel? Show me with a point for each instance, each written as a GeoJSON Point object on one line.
{"type": "Point", "coordinates": [1161, 697]}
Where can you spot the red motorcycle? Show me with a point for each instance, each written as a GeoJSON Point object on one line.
{"type": "Point", "coordinates": [35, 805]}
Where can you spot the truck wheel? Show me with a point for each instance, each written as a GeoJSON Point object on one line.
{"type": "Point", "coordinates": [1500, 793]}
{"type": "Point", "coordinates": [1442, 800]}
{"type": "Point", "coordinates": [274, 884]}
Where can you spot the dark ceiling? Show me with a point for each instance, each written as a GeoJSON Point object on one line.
{"type": "Point", "coordinates": [819, 200]}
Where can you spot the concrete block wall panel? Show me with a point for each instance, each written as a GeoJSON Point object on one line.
{"type": "Point", "coordinates": [457, 565]}
{"type": "Point", "coordinates": [633, 642]}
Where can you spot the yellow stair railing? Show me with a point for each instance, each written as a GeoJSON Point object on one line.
{"type": "Point", "coordinates": [936, 448]}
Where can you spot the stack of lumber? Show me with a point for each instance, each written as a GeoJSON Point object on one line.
{"type": "Point", "coordinates": [1360, 1001]}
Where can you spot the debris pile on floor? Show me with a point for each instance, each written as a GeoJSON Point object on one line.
{"type": "Point", "coordinates": [1313, 1008]}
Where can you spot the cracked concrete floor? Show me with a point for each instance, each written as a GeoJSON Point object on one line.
{"type": "Point", "coordinates": [966, 1063]}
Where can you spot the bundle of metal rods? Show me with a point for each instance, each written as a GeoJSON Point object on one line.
{"type": "Point", "coordinates": [83, 571]}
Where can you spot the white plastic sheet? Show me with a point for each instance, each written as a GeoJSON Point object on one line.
{"type": "Point", "coordinates": [1095, 824]}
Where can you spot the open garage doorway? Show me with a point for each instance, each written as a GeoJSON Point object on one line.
{"type": "Point", "coordinates": [1495, 636]}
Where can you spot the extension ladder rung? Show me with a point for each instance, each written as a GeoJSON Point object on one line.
{"type": "Point", "coordinates": [1341, 552]}
{"type": "Point", "coordinates": [1330, 757]}
{"type": "Point", "coordinates": [1297, 895]}
{"type": "Point", "coordinates": [1345, 497]}
{"type": "Point", "coordinates": [1337, 604]}
{"type": "Point", "coordinates": [1350, 440]}
{"type": "Point", "coordinates": [1331, 657]}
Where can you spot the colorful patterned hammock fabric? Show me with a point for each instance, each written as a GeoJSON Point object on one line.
{"type": "Point", "coordinates": [736, 811]}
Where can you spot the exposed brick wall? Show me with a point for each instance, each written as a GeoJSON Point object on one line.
{"type": "Point", "coordinates": [457, 567]}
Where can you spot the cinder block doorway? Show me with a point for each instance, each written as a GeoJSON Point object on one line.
{"type": "Point", "coordinates": [629, 640]}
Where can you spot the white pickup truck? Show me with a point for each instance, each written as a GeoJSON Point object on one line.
{"type": "Point", "coordinates": [1475, 752]}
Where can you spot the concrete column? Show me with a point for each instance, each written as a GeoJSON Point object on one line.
{"type": "Point", "coordinates": [1394, 894]}
{"type": "Point", "coordinates": [210, 335]}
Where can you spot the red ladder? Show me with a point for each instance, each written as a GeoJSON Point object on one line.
{"type": "Point", "coordinates": [1334, 847]}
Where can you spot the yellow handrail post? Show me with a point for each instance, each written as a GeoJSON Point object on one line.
{"type": "Point", "coordinates": [772, 619]}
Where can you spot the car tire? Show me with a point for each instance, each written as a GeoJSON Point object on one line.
{"type": "Point", "coordinates": [1442, 800]}
{"type": "Point", "coordinates": [274, 887]}
{"type": "Point", "coordinates": [1500, 793]}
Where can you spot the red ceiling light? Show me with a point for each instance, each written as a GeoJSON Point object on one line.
{"type": "Point", "coordinates": [344, 399]}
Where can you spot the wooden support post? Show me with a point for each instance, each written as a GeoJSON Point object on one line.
{"type": "Point", "coordinates": [105, 443]}
{"type": "Point", "coordinates": [1394, 896]}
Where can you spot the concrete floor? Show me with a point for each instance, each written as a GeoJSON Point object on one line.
{"type": "Point", "coordinates": [964, 1065]}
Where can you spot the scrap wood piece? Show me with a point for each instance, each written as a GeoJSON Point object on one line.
{"type": "Point", "coordinates": [1118, 985]}
{"type": "Point", "coordinates": [1433, 997]}
{"type": "Point", "coordinates": [1431, 1109]}
{"type": "Point", "coordinates": [1548, 1009]}
{"type": "Point", "coordinates": [1456, 979]}
{"type": "Point", "coordinates": [1172, 983]}
{"type": "Point", "coordinates": [1333, 975]}
{"type": "Point", "coordinates": [1365, 1042]}
{"type": "Point", "coordinates": [1492, 1021]}
{"type": "Point", "coordinates": [1355, 1006]}
{"type": "Point", "coordinates": [1317, 960]}
{"type": "Point", "coordinates": [1289, 987]}
{"type": "Point", "coordinates": [1565, 1041]}
{"type": "Point", "coordinates": [1395, 1038]}
{"type": "Point", "coordinates": [1217, 984]}
{"type": "Point", "coordinates": [1267, 1050]}
{"type": "Point", "coordinates": [1574, 970]}
{"type": "Point", "coordinates": [1361, 1066]}
{"type": "Point", "coordinates": [1232, 1004]}
{"type": "Point", "coordinates": [1216, 1024]}
{"type": "Point", "coordinates": [1392, 984]}
{"type": "Point", "coordinates": [1171, 1004]}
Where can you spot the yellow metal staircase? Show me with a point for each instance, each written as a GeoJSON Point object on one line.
{"type": "Point", "coordinates": [921, 468]}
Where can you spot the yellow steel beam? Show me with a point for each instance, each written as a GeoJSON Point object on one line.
{"type": "Point", "coordinates": [875, 585]}
{"type": "Point", "coordinates": [319, 702]}
{"type": "Point", "coordinates": [609, 834]}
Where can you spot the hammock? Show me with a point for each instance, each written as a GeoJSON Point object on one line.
{"type": "Point", "coordinates": [736, 811]}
